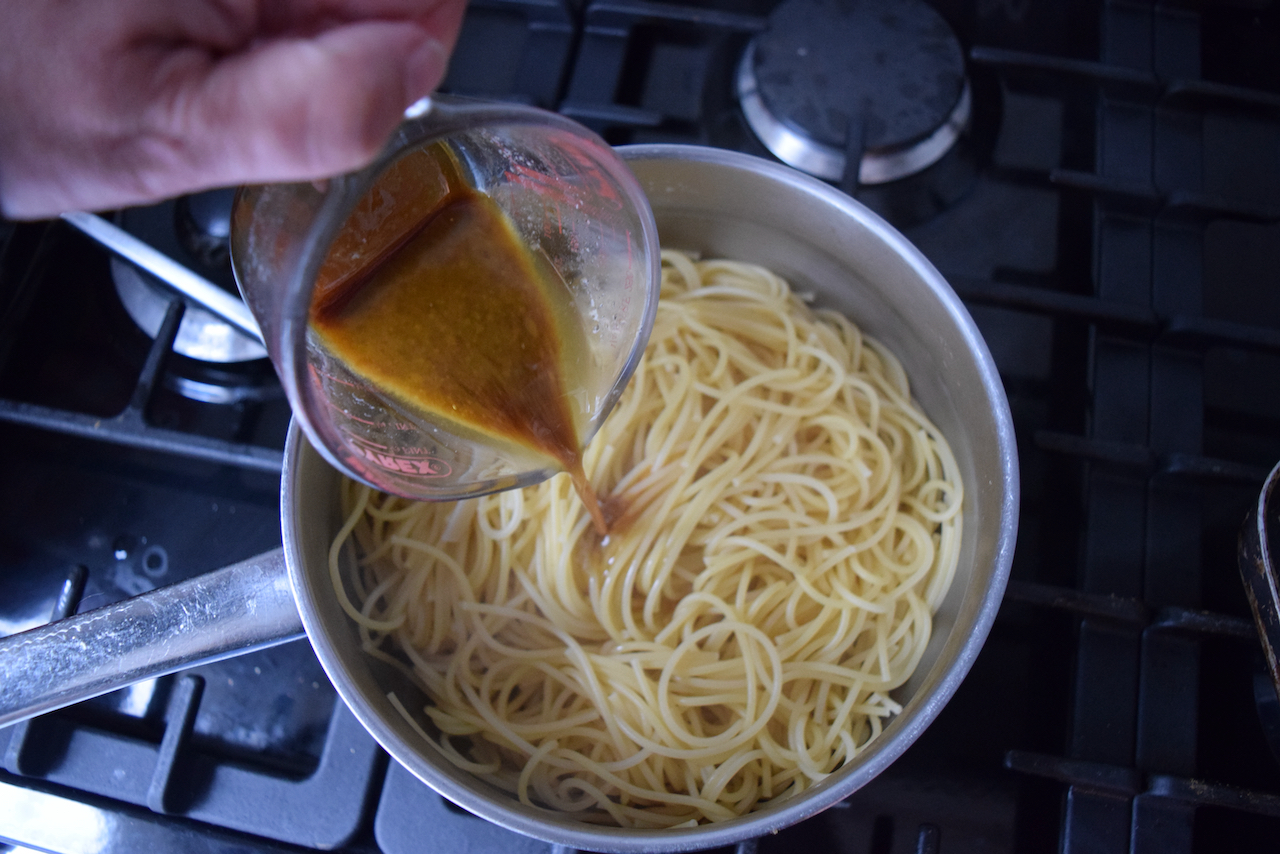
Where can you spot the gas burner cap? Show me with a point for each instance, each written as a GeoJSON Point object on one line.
{"type": "Point", "coordinates": [893, 68]}
{"type": "Point", "coordinates": [203, 225]}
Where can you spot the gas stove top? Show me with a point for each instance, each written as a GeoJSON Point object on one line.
{"type": "Point", "coordinates": [1099, 184]}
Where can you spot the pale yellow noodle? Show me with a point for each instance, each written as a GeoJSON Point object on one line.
{"type": "Point", "coordinates": [790, 521]}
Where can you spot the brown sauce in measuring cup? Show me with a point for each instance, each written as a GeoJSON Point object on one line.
{"type": "Point", "coordinates": [430, 295]}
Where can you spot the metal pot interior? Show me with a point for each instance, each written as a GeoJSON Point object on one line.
{"type": "Point", "coordinates": [730, 205]}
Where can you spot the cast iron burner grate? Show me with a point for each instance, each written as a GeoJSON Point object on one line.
{"type": "Point", "coordinates": [258, 744]}
{"type": "Point", "coordinates": [738, 76]}
{"type": "Point", "coordinates": [1173, 358]}
{"type": "Point", "coordinates": [72, 362]}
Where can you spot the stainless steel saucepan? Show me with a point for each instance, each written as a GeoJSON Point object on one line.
{"type": "Point", "coordinates": [710, 201]}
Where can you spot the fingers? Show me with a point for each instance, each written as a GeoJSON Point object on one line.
{"type": "Point", "coordinates": [439, 17]}
{"type": "Point", "coordinates": [146, 100]}
{"type": "Point", "coordinates": [304, 108]}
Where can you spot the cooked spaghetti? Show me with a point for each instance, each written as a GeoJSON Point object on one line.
{"type": "Point", "coordinates": [786, 523]}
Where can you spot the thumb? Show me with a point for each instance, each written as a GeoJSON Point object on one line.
{"type": "Point", "coordinates": [294, 109]}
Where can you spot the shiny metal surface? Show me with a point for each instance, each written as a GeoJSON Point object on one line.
{"type": "Point", "coordinates": [202, 334]}
{"type": "Point", "coordinates": [878, 166]}
{"type": "Point", "coordinates": [1256, 558]}
{"type": "Point", "coordinates": [233, 610]}
{"type": "Point", "coordinates": [56, 822]}
{"type": "Point", "coordinates": [725, 204]}
{"type": "Point", "coordinates": [198, 288]}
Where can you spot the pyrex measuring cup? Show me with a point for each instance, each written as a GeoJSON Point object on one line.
{"type": "Point", "coordinates": [569, 200]}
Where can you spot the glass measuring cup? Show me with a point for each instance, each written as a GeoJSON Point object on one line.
{"type": "Point", "coordinates": [569, 201]}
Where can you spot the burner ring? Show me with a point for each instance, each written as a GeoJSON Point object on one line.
{"type": "Point", "coordinates": [900, 61]}
{"type": "Point", "coordinates": [828, 162]}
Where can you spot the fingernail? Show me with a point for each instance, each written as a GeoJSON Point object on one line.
{"type": "Point", "coordinates": [424, 70]}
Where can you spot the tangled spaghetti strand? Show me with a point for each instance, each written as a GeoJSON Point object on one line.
{"type": "Point", "coordinates": [789, 522]}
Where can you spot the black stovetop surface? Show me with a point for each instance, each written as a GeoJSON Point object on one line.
{"type": "Point", "coordinates": [1112, 221]}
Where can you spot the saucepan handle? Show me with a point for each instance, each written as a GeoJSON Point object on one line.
{"type": "Point", "coordinates": [242, 607]}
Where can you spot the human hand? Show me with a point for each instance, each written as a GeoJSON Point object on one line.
{"type": "Point", "coordinates": [107, 103]}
